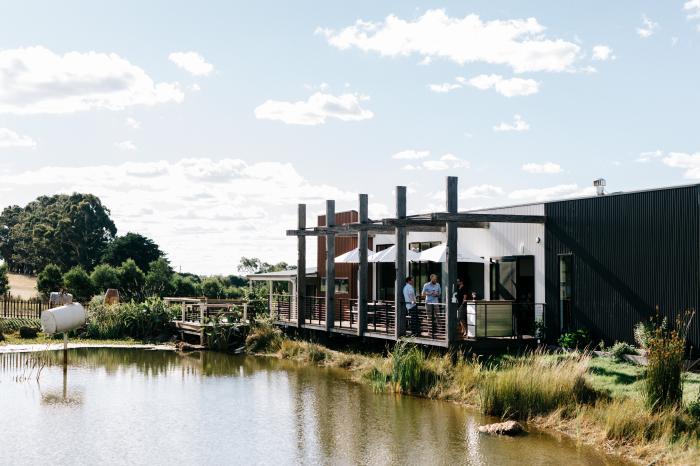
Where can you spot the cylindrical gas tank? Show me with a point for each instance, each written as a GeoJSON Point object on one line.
{"type": "Point", "coordinates": [63, 319]}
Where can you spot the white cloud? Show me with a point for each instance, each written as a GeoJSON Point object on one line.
{"type": "Point", "coordinates": [410, 167]}
{"type": "Point", "coordinates": [204, 213]}
{"type": "Point", "coordinates": [195, 87]}
{"type": "Point", "coordinates": [518, 125]}
{"type": "Point", "coordinates": [645, 157]}
{"type": "Point", "coordinates": [443, 88]}
{"type": "Point", "coordinates": [192, 62]}
{"type": "Point", "coordinates": [692, 8]}
{"type": "Point", "coordinates": [36, 80]}
{"type": "Point", "coordinates": [315, 110]}
{"type": "Point", "coordinates": [125, 145]}
{"type": "Point", "coordinates": [603, 53]}
{"type": "Point", "coordinates": [507, 87]}
{"type": "Point", "coordinates": [482, 191]}
{"type": "Point", "coordinates": [648, 27]}
{"type": "Point", "coordinates": [454, 161]}
{"type": "Point", "coordinates": [411, 154]}
{"type": "Point", "coordinates": [9, 138]}
{"type": "Point", "coordinates": [689, 162]}
{"type": "Point", "coordinates": [435, 165]}
{"type": "Point", "coordinates": [554, 192]}
{"type": "Point", "coordinates": [537, 168]}
{"type": "Point", "coordinates": [132, 123]}
{"type": "Point", "coordinates": [518, 43]}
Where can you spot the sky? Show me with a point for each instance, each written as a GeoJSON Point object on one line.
{"type": "Point", "coordinates": [203, 124]}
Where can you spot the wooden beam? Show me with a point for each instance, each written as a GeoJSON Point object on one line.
{"type": "Point", "coordinates": [414, 224]}
{"type": "Point", "coordinates": [451, 260]}
{"type": "Point", "coordinates": [301, 266]}
{"type": "Point", "coordinates": [400, 265]}
{"type": "Point", "coordinates": [330, 266]}
{"type": "Point", "coordinates": [362, 272]}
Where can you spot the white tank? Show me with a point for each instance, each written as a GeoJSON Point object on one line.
{"type": "Point", "coordinates": [63, 319]}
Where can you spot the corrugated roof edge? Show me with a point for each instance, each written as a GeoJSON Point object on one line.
{"type": "Point", "coordinates": [566, 199]}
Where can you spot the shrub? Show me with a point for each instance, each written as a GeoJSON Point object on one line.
{"type": "Point", "coordinates": [131, 280]}
{"type": "Point", "coordinates": [663, 383]}
{"type": "Point", "coordinates": [50, 279]}
{"type": "Point", "coordinates": [28, 332]}
{"type": "Point", "coordinates": [104, 276]}
{"type": "Point", "coordinates": [219, 335]}
{"type": "Point", "coordinates": [578, 339]}
{"type": "Point", "coordinates": [4, 280]}
{"type": "Point", "coordinates": [409, 372]}
{"type": "Point", "coordinates": [78, 283]}
{"type": "Point", "coordinates": [535, 384]}
{"type": "Point", "coordinates": [620, 349]}
{"type": "Point", "coordinates": [641, 334]}
{"type": "Point", "coordinates": [146, 321]}
{"type": "Point", "coordinates": [264, 337]}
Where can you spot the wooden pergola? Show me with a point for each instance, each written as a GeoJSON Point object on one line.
{"type": "Point", "coordinates": [447, 222]}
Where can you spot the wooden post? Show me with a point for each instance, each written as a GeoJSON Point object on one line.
{"type": "Point", "coordinates": [269, 299]}
{"type": "Point", "coordinates": [301, 266]}
{"type": "Point", "coordinates": [330, 266]}
{"type": "Point", "coordinates": [362, 273]}
{"type": "Point", "coordinates": [184, 311]}
{"type": "Point", "coordinates": [451, 261]}
{"type": "Point", "coordinates": [400, 265]}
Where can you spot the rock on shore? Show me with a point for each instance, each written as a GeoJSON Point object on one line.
{"type": "Point", "coordinates": [510, 428]}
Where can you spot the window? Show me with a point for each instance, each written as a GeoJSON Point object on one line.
{"type": "Point", "coordinates": [421, 271]}
{"type": "Point", "coordinates": [565, 291]}
{"type": "Point", "coordinates": [342, 285]}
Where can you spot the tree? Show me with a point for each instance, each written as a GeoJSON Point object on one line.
{"type": "Point", "coordinates": [158, 278]}
{"type": "Point", "coordinates": [50, 279]}
{"type": "Point", "coordinates": [78, 283]}
{"type": "Point", "coordinates": [131, 280]}
{"type": "Point", "coordinates": [134, 246]}
{"type": "Point", "coordinates": [251, 265]}
{"type": "Point", "coordinates": [104, 276]}
{"type": "Point", "coordinates": [212, 287]}
{"type": "Point", "coordinates": [185, 286]}
{"type": "Point", "coordinates": [65, 230]}
{"type": "Point", "coordinates": [4, 280]}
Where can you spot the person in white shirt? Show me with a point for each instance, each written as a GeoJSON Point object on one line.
{"type": "Point", "coordinates": [409, 297]}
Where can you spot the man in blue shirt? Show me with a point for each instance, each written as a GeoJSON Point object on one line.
{"type": "Point", "coordinates": [432, 292]}
{"type": "Point", "coordinates": [409, 297]}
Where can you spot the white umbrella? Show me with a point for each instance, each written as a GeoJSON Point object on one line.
{"type": "Point", "coordinates": [352, 257]}
{"type": "Point", "coordinates": [389, 255]}
{"type": "Point", "coordinates": [439, 254]}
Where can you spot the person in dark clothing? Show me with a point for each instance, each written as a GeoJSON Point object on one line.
{"type": "Point", "coordinates": [461, 302]}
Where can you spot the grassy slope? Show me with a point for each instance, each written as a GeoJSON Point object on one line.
{"type": "Point", "coordinates": [23, 286]}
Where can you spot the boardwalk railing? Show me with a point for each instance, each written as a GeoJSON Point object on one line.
{"type": "Point", "coordinates": [315, 310]}
{"type": "Point", "coordinates": [283, 308]}
{"type": "Point", "coordinates": [346, 313]}
{"type": "Point", "coordinates": [428, 321]}
{"type": "Point", "coordinates": [25, 308]}
{"type": "Point", "coordinates": [494, 319]}
{"type": "Point", "coordinates": [381, 317]}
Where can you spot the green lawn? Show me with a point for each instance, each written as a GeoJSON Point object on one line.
{"type": "Point", "coordinates": [621, 379]}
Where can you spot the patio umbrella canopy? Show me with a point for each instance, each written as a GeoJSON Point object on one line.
{"type": "Point", "coordinates": [389, 255]}
{"type": "Point", "coordinates": [439, 254]}
{"type": "Point", "coordinates": [352, 257]}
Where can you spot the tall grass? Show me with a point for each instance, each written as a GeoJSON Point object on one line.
{"type": "Point", "coordinates": [663, 385]}
{"type": "Point", "coordinates": [410, 372]}
{"type": "Point", "coordinates": [264, 337]}
{"type": "Point", "coordinates": [149, 320]}
{"type": "Point", "coordinates": [536, 384]}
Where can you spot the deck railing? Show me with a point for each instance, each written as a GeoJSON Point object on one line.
{"type": "Point", "coordinates": [427, 320]}
{"type": "Point", "coordinates": [315, 310]}
{"type": "Point", "coordinates": [346, 313]}
{"type": "Point", "coordinates": [381, 317]}
{"type": "Point", "coordinates": [22, 308]}
{"type": "Point", "coordinates": [283, 308]}
{"type": "Point", "coordinates": [202, 312]}
{"type": "Point", "coordinates": [499, 319]}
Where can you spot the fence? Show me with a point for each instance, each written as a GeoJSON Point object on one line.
{"type": "Point", "coordinates": [282, 308]}
{"type": "Point", "coordinates": [25, 308]}
{"type": "Point", "coordinates": [346, 313]}
{"type": "Point", "coordinates": [381, 317]}
{"type": "Point", "coordinates": [484, 319]}
{"type": "Point", "coordinates": [315, 310]}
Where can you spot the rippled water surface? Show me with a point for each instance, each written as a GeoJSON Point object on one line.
{"type": "Point", "coordinates": [123, 407]}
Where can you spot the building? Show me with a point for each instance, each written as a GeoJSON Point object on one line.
{"type": "Point", "coordinates": [603, 263]}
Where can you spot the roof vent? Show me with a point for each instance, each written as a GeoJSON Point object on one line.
{"type": "Point", "coordinates": [599, 186]}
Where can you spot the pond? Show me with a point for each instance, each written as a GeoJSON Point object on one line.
{"type": "Point", "coordinates": [127, 406]}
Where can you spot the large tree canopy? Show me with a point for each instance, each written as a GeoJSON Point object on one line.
{"type": "Point", "coordinates": [132, 246]}
{"type": "Point", "coordinates": [66, 230]}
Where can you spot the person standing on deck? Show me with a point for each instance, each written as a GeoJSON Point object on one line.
{"type": "Point", "coordinates": [461, 296]}
{"type": "Point", "coordinates": [431, 293]}
{"type": "Point", "coordinates": [409, 297]}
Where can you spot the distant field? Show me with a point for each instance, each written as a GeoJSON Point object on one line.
{"type": "Point", "coordinates": [22, 286]}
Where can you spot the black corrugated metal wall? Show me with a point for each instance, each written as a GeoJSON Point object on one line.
{"type": "Point", "coordinates": [631, 253]}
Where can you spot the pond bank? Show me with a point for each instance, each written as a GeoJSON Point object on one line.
{"type": "Point", "coordinates": [562, 393]}
{"type": "Point", "coordinates": [36, 347]}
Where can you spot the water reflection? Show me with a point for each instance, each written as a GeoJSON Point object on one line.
{"type": "Point", "coordinates": [209, 408]}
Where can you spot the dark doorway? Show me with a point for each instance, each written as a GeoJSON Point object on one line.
{"type": "Point", "coordinates": [513, 278]}
{"type": "Point", "coordinates": [565, 291]}
{"type": "Point", "coordinates": [473, 275]}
